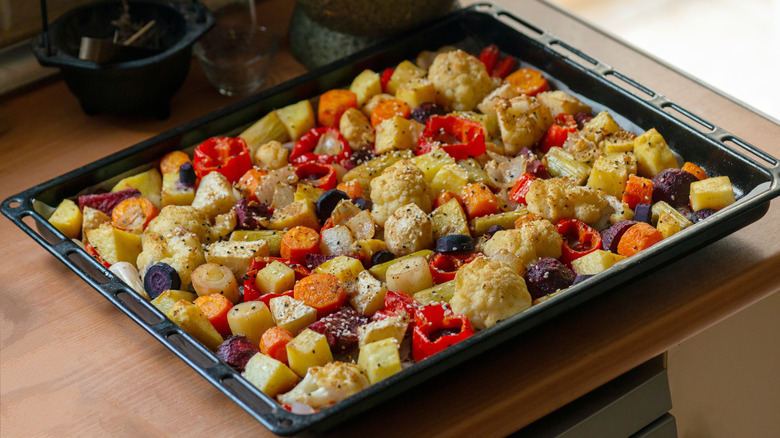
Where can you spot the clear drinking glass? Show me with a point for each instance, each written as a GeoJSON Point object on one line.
{"type": "Point", "coordinates": [236, 58]}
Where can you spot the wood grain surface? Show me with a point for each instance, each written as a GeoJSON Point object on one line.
{"type": "Point", "coordinates": [73, 365]}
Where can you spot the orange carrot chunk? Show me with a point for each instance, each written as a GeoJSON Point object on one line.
{"type": "Point", "coordinates": [298, 242]}
{"type": "Point", "coordinates": [324, 292]}
{"type": "Point", "coordinates": [444, 197]}
{"type": "Point", "coordinates": [249, 182]}
{"type": "Point", "coordinates": [695, 170]}
{"type": "Point", "coordinates": [133, 214]}
{"type": "Point", "coordinates": [216, 308]}
{"type": "Point", "coordinates": [638, 190]}
{"type": "Point", "coordinates": [173, 160]}
{"type": "Point", "coordinates": [274, 343]}
{"type": "Point", "coordinates": [388, 109]}
{"type": "Point", "coordinates": [353, 189]}
{"type": "Point", "coordinates": [637, 238]}
{"type": "Point", "coordinates": [528, 81]}
{"type": "Point", "coordinates": [479, 200]}
{"type": "Point", "coordinates": [332, 105]}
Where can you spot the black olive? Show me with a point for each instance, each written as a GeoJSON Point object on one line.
{"type": "Point", "coordinates": [382, 256]}
{"type": "Point", "coordinates": [159, 278]}
{"type": "Point", "coordinates": [187, 175]}
{"type": "Point", "coordinates": [455, 243]}
{"type": "Point", "coordinates": [328, 201]}
{"type": "Point", "coordinates": [364, 204]}
{"type": "Point", "coordinates": [426, 110]}
{"type": "Point", "coordinates": [643, 213]}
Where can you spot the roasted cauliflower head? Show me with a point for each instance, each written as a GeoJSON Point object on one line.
{"type": "Point", "coordinates": [534, 239]}
{"type": "Point", "coordinates": [327, 384]}
{"type": "Point", "coordinates": [460, 79]}
{"type": "Point", "coordinates": [558, 198]}
{"type": "Point", "coordinates": [401, 184]}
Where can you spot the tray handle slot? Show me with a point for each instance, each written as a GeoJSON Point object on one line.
{"type": "Point", "coordinates": [629, 84]}
{"type": "Point", "coordinates": [686, 117]}
{"type": "Point", "coordinates": [733, 143]}
{"type": "Point", "coordinates": [244, 393]}
{"type": "Point", "coordinates": [34, 224]}
{"type": "Point", "coordinates": [88, 266]}
{"type": "Point", "coordinates": [130, 301]}
{"type": "Point", "coordinates": [573, 54]}
{"type": "Point", "coordinates": [191, 350]}
{"type": "Point", "coordinates": [519, 23]}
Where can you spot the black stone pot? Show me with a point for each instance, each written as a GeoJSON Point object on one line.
{"type": "Point", "coordinates": [139, 86]}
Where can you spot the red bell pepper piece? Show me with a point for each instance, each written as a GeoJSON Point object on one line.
{"type": "Point", "coordinates": [443, 267]}
{"type": "Point", "coordinates": [503, 68]}
{"type": "Point", "coordinates": [459, 137]}
{"type": "Point", "coordinates": [252, 293]}
{"type": "Point", "coordinates": [395, 304]}
{"type": "Point", "coordinates": [520, 189]}
{"type": "Point", "coordinates": [579, 239]}
{"type": "Point", "coordinates": [436, 328]}
{"type": "Point", "coordinates": [489, 56]}
{"type": "Point", "coordinates": [323, 176]}
{"type": "Point", "coordinates": [385, 78]}
{"type": "Point", "coordinates": [303, 151]}
{"type": "Point", "coordinates": [226, 155]}
{"type": "Point", "coordinates": [558, 132]}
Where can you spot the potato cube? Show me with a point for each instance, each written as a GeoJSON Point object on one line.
{"type": "Point", "coordinates": [174, 192]}
{"type": "Point", "coordinates": [653, 154]}
{"type": "Point", "coordinates": [366, 85]}
{"type": "Point", "coordinates": [667, 225]}
{"type": "Point", "coordinates": [431, 162]}
{"type": "Point", "coordinates": [380, 271]}
{"type": "Point", "coordinates": [115, 245]}
{"type": "Point", "coordinates": [275, 278]}
{"type": "Point", "coordinates": [449, 218]}
{"type": "Point", "coordinates": [251, 319]}
{"type": "Point", "coordinates": [92, 218]}
{"type": "Point", "coordinates": [380, 359]}
{"type": "Point", "coordinates": [267, 129]}
{"type": "Point", "coordinates": [299, 213]}
{"type": "Point", "coordinates": [191, 319]}
{"type": "Point", "coordinates": [404, 72]}
{"type": "Point", "coordinates": [661, 207]}
{"type": "Point", "coordinates": [291, 314]}
{"type": "Point", "coordinates": [715, 193]}
{"type": "Point", "coordinates": [306, 192]}
{"type": "Point", "coordinates": [367, 248]}
{"type": "Point", "coordinates": [308, 349]}
{"type": "Point", "coordinates": [410, 276]}
{"type": "Point", "coordinates": [450, 177]}
{"type": "Point", "coordinates": [149, 183]}
{"type": "Point", "coordinates": [369, 294]}
{"type": "Point", "coordinates": [396, 134]}
{"type": "Point", "coordinates": [416, 92]}
{"type": "Point", "coordinates": [362, 225]}
{"type": "Point", "coordinates": [168, 298]}
{"type": "Point", "coordinates": [298, 118]}
{"type": "Point", "coordinates": [269, 375]}
{"type": "Point", "coordinates": [272, 237]}
{"type": "Point", "coordinates": [440, 293]}
{"type": "Point", "coordinates": [600, 126]}
{"type": "Point", "coordinates": [619, 142]}
{"type": "Point", "coordinates": [595, 262]}
{"type": "Point", "coordinates": [610, 173]}
{"type": "Point", "coordinates": [236, 255]}
{"type": "Point", "coordinates": [215, 195]}
{"type": "Point", "coordinates": [67, 218]}
{"type": "Point", "coordinates": [343, 267]}
{"type": "Point", "coordinates": [393, 327]}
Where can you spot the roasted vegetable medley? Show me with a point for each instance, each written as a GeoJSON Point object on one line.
{"type": "Point", "coordinates": [337, 241]}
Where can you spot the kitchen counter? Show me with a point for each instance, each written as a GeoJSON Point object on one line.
{"type": "Point", "coordinates": [72, 364]}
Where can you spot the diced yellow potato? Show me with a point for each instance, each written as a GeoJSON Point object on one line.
{"type": "Point", "coordinates": [91, 219]}
{"type": "Point", "coordinates": [269, 375]}
{"type": "Point", "coordinates": [191, 319]}
{"type": "Point", "coordinates": [619, 142]}
{"type": "Point", "coordinates": [610, 173]}
{"type": "Point", "coordinates": [275, 278]}
{"type": "Point", "coordinates": [595, 262]}
{"type": "Point", "coordinates": [563, 164]}
{"type": "Point", "coordinates": [410, 276]}
{"type": "Point", "coordinates": [168, 298]}
{"type": "Point", "coordinates": [396, 134]}
{"type": "Point", "coordinates": [449, 218]}
{"type": "Point", "coordinates": [149, 183]}
{"type": "Point", "coordinates": [450, 177]}
{"type": "Point", "coordinates": [300, 213]}
{"type": "Point", "coordinates": [600, 126]}
{"type": "Point", "coordinates": [715, 193]}
{"type": "Point", "coordinates": [251, 319]}
{"type": "Point", "coordinates": [272, 237]}
{"type": "Point", "coordinates": [476, 173]}
{"type": "Point", "coordinates": [366, 85]}
{"type": "Point", "coordinates": [661, 207]}
{"type": "Point", "coordinates": [308, 349]}
{"type": "Point", "coordinates": [441, 293]}
{"type": "Point", "coordinates": [343, 267]}
{"type": "Point", "coordinates": [653, 154]}
{"type": "Point", "coordinates": [393, 327]}
{"type": "Point", "coordinates": [369, 294]}
{"type": "Point", "coordinates": [380, 359]}
{"type": "Point", "coordinates": [506, 220]}
{"type": "Point", "coordinates": [362, 225]}
{"type": "Point", "coordinates": [267, 129]}
{"type": "Point", "coordinates": [298, 118]}
{"type": "Point", "coordinates": [291, 314]}
{"type": "Point", "coordinates": [367, 248]}
{"type": "Point", "coordinates": [215, 195]}
{"type": "Point", "coordinates": [416, 92]}
{"type": "Point", "coordinates": [236, 255]}
{"type": "Point", "coordinates": [306, 192]}
{"type": "Point", "coordinates": [667, 225]}
{"type": "Point", "coordinates": [365, 172]}
{"type": "Point", "coordinates": [115, 245]}
{"type": "Point", "coordinates": [175, 193]}
{"type": "Point", "coordinates": [404, 72]}
{"type": "Point", "coordinates": [380, 271]}
{"type": "Point", "coordinates": [431, 162]}
{"type": "Point", "coordinates": [67, 218]}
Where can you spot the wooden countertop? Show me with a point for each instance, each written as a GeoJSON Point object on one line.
{"type": "Point", "coordinates": [71, 364]}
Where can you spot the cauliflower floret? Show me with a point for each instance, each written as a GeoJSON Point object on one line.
{"type": "Point", "coordinates": [487, 291]}
{"type": "Point", "coordinates": [271, 155]}
{"type": "Point", "coordinates": [561, 102]}
{"type": "Point", "coordinates": [356, 129]}
{"type": "Point", "coordinates": [327, 384]}
{"type": "Point", "coordinates": [533, 240]}
{"type": "Point", "coordinates": [488, 104]}
{"type": "Point", "coordinates": [408, 230]}
{"type": "Point", "coordinates": [400, 184]}
{"type": "Point", "coordinates": [215, 195]}
{"type": "Point", "coordinates": [582, 149]}
{"type": "Point", "coordinates": [460, 79]}
{"type": "Point", "coordinates": [180, 249]}
{"type": "Point", "coordinates": [558, 198]}
{"type": "Point", "coordinates": [523, 120]}
{"type": "Point", "coordinates": [172, 217]}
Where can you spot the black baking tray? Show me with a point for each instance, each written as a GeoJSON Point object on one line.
{"type": "Point", "coordinates": [753, 173]}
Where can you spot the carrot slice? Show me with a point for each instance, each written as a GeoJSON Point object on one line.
{"type": "Point", "coordinates": [324, 292]}
{"type": "Point", "coordinates": [274, 343]}
{"type": "Point", "coordinates": [388, 109]}
{"type": "Point", "coordinates": [695, 170]}
{"type": "Point", "coordinates": [133, 214]}
{"type": "Point", "coordinates": [638, 190]}
{"type": "Point", "coordinates": [298, 242]}
{"type": "Point", "coordinates": [637, 238]}
{"type": "Point", "coordinates": [249, 182]}
{"type": "Point", "coordinates": [479, 200]}
{"type": "Point", "coordinates": [353, 189]}
{"type": "Point", "coordinates": [528, 81]}
{"type": "Point", "coordinates": [332, 105]}
{"type": "Point", "coordinates": [444, 197]}
{"type": "Point", "coordinates": [173, 160]}
{"type": "Point", "coordinates": [216, 308]}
